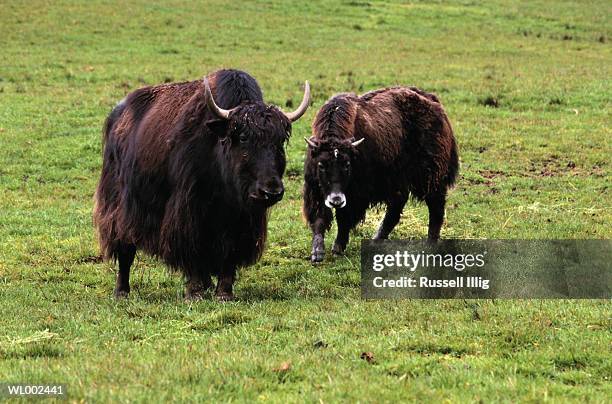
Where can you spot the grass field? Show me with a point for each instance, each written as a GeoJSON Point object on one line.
{"type": "Point", "coordinates": [527, 88]}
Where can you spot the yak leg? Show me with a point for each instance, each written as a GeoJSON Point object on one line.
{"type": "Point", "coordinates": [319, 218]}
{"type": "Point", "coordinates": [125, 255]}
{"type": "Point", "coordinates": [435, 204]}
{"type": "Point", "coordinates": [392, 217]}
{"type": "Point", "coordinates": [225, 284]}
{"type": "Point", "coordinates": [344, 227]}
{"type": "Point", "coordinates": [318, 239]}
{"type": "Point", "coordinates": [197, 285]}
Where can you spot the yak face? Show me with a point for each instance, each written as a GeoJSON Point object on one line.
{"type": "Point", "coordinates": [252, 137]}
{"type": "Point", "coordinates": [332, 164]}
{"type": "Point", "coordinates": [252, 140]}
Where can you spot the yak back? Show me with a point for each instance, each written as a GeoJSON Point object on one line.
{"type": "Point", "coordinates": [409, 142]}
{"type": "Point", "coordinates": [409, 139]}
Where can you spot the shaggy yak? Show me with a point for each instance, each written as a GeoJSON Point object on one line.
{"type": "Point", "coordinates": [379, 148]}
{"type": "Point", "coordinates": [189, 172]}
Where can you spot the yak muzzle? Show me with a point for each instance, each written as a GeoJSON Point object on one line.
{"type": "Point", "coordinates": [272, 195]}
{"type": "Point", "coordinates": [335, 200]}
{"type": "Point", "coordinates": [269, 194]}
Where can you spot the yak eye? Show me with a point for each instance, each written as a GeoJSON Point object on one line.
{"type": "Point", "coordinates": [244, 137]}
{"type": "Point", "coordinates": [321, 167]}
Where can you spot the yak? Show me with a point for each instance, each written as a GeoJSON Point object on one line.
{"type": "Point", "coordinates": [189, 173]}
{"type": "Point", "coordinates": [379, 148]}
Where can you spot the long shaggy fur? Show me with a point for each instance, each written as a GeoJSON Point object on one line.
{"type": "Point", "coordinates": [167, 184]}
{"type": "Point", "coordinates": [409, 150]}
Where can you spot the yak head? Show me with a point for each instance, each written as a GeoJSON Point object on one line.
{"type": "Point", "coordinates": [331, 162]}
{"type": "Point", "coordinates": [252, 138]}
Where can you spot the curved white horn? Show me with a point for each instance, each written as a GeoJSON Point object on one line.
{"type": "Point", "coordinates": [358, 142]}
{"type": "Point", "coordinates": [220, 112]}
{"type": "Point", "coordinates": [297, 114]}
{"type": "Point", "coordinates": [311, 143]}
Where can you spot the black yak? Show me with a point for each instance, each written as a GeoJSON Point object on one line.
{"type": "Point", "coordinates": [189, 172]}
{"type": "Point", "coordinates": [379, 148]}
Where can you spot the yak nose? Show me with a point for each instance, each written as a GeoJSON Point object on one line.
{"type": "Point", "coordinates": [273, 190]}
{"type": "Point", "coordinates": [274, 195]}
{"type": "Point", "coordinates": [335, 200]}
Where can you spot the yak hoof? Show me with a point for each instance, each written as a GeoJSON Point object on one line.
{"type": "Point", "coordinates": [337, 249]}
{"type": "Point", "coordinates": [197, 289]}
{"type": "Point", "coordinates": [317, 256]}
{"type": "Point", "coordinates": [194, 295]}
{"type": "Point", "coordinates": [121, 294]}
{"type": "Point", "coordinates": [224, 297]}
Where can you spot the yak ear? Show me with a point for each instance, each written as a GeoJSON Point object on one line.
{"type": "Point", "coordinates": [218, 127]}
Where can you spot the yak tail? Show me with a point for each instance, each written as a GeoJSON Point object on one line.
{"type": "Point", "coordinates": [453, 167]}
{"type": "Point", "coordinates": [453, 164]}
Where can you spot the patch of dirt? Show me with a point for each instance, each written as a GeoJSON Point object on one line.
{"type": "Point", "coordinates": [359, 4]}
{"type": "Point", "coordinates": [554, 166]}
{"type": "Point", "coordinates": [555, 101]}
{"type": "Point", "coordinates": [489, 177]}
{"type": "Point", "coordinates": [549, 167]}
{"type": "Point", "coordinates": [490, 101]}
{"type": "Point", "coordinates": [90, 259]}
{"type": "Point", "coordinates": [368, 357]}
{"type": "Point", "coordinates": [491, 174]}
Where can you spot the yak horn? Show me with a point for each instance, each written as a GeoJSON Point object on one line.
{"type": "Point", "coordinates": [357, 143]}
{"type": "Point", "coordinates": [295, 115]}
{"type": "Point", "coordinates": [311, 143]}
{"type": "Point", "coordinates": [210, 101]}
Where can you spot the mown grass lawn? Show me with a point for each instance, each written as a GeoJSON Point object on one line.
{"type": "Point", "coordinates": [526, 85]}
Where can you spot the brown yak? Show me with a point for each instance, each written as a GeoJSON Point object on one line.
{"type": "Point", "coordinates": [189, 178]}
{"type": "Point", "coordinates": [378, 148]}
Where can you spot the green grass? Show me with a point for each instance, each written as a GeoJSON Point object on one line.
{"type": "Point", "coordinates": [537, 166]}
